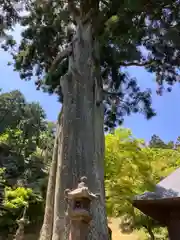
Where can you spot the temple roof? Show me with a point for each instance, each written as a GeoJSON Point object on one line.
{"type": "Point", "coordinates": [164, 200]}
{"type": "Point", "coordinates": [168, 188]}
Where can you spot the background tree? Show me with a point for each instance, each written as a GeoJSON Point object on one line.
{"type": "Point", "coordinates": [23, 122]}
{"type": "Point", "coordinates": [156, 142]}
{"type": "Point", "coordinates": [24, 169]}
{"type": "Point", "coordinates": [46, 142]}
{"type": "Point", "coordinates": [32, 124]}
{"type": "Point", "coordinates": [11, 108]}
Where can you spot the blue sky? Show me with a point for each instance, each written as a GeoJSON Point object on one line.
{"type": "Point", "coordinates": [165, 124]}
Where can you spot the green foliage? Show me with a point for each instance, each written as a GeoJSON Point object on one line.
{"type": "Point", "coordinates": [133, 168]}
{"type": "Point", "coordinates": [21, 123]}
{"type": "Point", "coordinates": [23, 171]}
{"type": "Point", "coordinates": [128, 171]}
{"type": "Point", "coordinates": [14, 202]}
{"type": "Point", "coordinates": [11, 109]}
{"type": "Point", "coordinates": [9, 15]}
{"type": "Point", "coordinates": [131, 33]}
{"type": "Point", "coordinates": [18, 198]}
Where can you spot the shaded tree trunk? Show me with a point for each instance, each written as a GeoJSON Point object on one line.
{"type": "Point", "coordinates": [81, 139]}
{"type": "Point", "coordinates": [46, 231]}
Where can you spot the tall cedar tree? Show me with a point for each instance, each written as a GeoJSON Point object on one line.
{"type": "Point", "coordinates": [79, 50]}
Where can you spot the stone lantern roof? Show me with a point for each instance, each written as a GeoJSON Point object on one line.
{"type": "Point", "coordinates": [82, 191]}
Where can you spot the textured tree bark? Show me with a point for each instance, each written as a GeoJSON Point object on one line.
{"type": "Point", "coordinates": [47, 227]}
{"type": "Point", "coordinates": [81, 140]}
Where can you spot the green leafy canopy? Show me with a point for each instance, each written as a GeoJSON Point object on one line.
{"type": "Point", "coordinates": [142, 33]}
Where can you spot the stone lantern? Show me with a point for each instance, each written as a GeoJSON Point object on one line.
{"type": "Point", "coordinates": [79, 201]}
{"type": "Point", "coordinates": [21, 225]}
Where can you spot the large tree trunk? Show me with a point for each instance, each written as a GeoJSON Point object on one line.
{"type": "Point", "coordinates": [59, 219]}
{"type": "Point", "coordinates": [46, 231]}
{"type": "Point", "coordinates": [81, 140]}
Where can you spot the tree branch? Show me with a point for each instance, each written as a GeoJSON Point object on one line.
{"type": "Point", "coordinates": [111, 93]}
{"type": "Point", "coordinates": [73, 10]}
{"type": "Point", "coordinates": [87, 16]}
{"type": "Point", "coordinates": [65, 53]}
{"type": "Point", "coordinates": [143, 64]}
{"type": "Point", "coordinates": [114, 94]}
{"type": "Point", "coordinates": [105, 3]}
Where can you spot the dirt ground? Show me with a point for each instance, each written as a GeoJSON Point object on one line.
{"type": "Point", "coordinates": [118, 235]}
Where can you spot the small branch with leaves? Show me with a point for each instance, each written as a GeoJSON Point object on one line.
{"type": "Point", "coordinates": [65, 53]}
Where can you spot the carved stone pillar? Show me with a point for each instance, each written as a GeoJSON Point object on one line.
{"type": "Point", "coordinates": [79, 230]}
{"type": "Point", "coordinates": [20, 231]}
{"type": "Point", "coordinates": [21, 225]}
